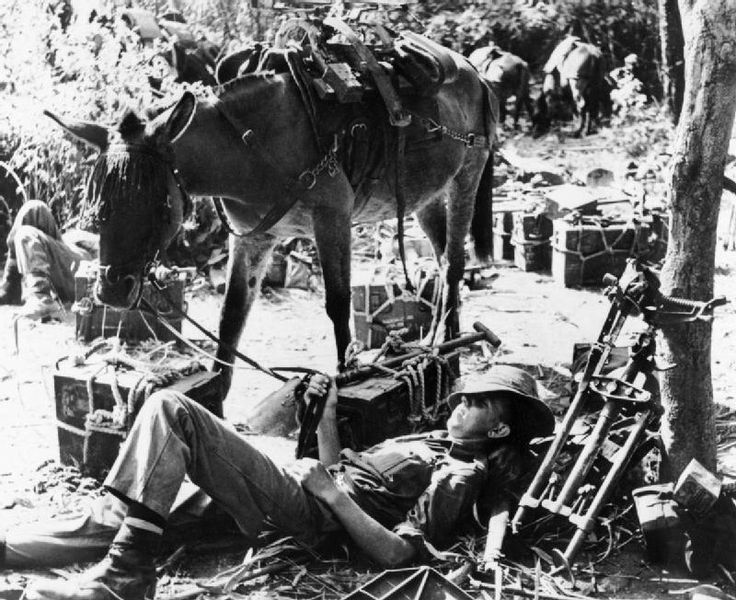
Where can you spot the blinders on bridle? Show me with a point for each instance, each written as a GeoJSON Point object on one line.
{"type": "Point", "coordinates": [137, 269]}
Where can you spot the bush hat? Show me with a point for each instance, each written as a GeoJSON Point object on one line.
{"type": "Point", "coordinates": [531, 417]}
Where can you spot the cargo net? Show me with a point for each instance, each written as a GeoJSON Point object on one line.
{"type": "Point", "coordinates": [612, 245]}
{"type": "Point", "coordinates": [428, 378]}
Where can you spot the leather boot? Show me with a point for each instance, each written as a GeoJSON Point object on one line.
{"type": "Point", "coordinates": [126, 573]}
{"type": "Point", "coordinates": [41, 302]}
{"type": "Point", "coordinates": [10, 287]}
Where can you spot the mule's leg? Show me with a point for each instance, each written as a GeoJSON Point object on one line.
{"type": "Point", "coordinates": [502, 110]}
{"type": "Point", "coordinates": [432, 219]}
{"type": "Point", "coordinates": [578, 99]}
{"type": "Point", "coordinates": [524, 99]}
{"type": "Point", "coordinates": [592, 104]}
{"type": "Point", "coordinates": [331, 223]}
{"type": "Point", "coordinates": [460, 207]}
{"type": "Point", "coordinates": [518, 103]}
{"type": "Point", "coordinates": [245, 268]}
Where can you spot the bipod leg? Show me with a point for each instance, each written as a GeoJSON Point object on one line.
{"type": "Point", "coordinates": [617, 314]}
{"type": "Point", "coordinates": [598, 356]}
{"type": "Point", "coordinates": [584, 523]}
{"type": "Point", "coordinates": [585, 461]}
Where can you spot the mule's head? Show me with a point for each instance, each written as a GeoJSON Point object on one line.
{"type": "Point", "coordinates": [134, 197]}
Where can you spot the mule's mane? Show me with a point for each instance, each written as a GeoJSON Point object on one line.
{"type": "Point", "coordinates": [127, 181]}
{"type": "Point", "coordinates": [241, 92]}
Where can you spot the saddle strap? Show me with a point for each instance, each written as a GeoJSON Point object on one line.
{"type": "Point", "coordinates": [401, 199]}
{"type": "Point", "coordinates": [296, 69]}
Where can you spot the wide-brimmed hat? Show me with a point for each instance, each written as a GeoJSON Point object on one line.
{"type": "Point", "coordinates": [531, 417]}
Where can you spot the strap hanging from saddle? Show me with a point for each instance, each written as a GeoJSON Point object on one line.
{"type": "Point", "coordinates": [398, 118]}
{"type": "Point", "coordinates": [401, 199]}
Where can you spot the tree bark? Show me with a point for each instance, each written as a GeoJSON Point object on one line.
{"type": "Point", "coordinates": [673, 67]}
{"type": "Point", "coordinates": [696, 180]}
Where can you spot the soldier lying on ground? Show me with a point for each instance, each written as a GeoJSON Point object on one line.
{"type": "Point", "coordinates": [41, 263]}
{"type": "Point", "coordinates": [395, 500]}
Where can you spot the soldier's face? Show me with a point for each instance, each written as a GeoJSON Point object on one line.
{"type": "Point", "coordinates": [473, 417]}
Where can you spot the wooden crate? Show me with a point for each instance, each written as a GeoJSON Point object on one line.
{"type": "Point", "coordinates": [529, 227]}
{"type": "Point", "coordinates": [530, 238]}
{"type": "Point", "coordinates": [94, 450]}
{"type": "Point", "coordinates": [584, 251]}
{"type": "Point", "coordinates": [95, 320]}
{"type": "Point", "coordinates": [382, 307]}
{"type": "Point", "coordinates": [532, 256]}
{"type": "Point", "coordinates": [375, 409]}
{"type": "Point", "coordinates": [503, 224]}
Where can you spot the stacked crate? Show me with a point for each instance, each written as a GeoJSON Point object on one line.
{"type": "Point", "coordinates": [90, 398]}
{"type": "Point", "coordinates": [503, 227]}
{"type": "Point", "coordinates": [530, 237]}
{"type": "Point", "coordinates": [584, 249]}
{"type": "Point", "coordinates": [94, 319]}
{"type": "Point", "coordinates": [382, 305]}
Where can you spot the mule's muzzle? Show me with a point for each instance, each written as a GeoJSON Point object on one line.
{"type": "Point", "coordinates": [116, 289]}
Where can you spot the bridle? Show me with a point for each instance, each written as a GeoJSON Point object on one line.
{"type": "Point", "coordinates": [138, 269]}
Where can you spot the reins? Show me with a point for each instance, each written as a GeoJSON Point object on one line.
{"type": "Point", "coordinates": [181, 313]}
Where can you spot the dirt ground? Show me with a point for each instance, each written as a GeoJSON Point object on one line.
{"type": "Point", "coordinates": [537, 319]}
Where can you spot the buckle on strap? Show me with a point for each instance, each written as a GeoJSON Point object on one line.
{"type": "Point", "coordinates": [308, 179]}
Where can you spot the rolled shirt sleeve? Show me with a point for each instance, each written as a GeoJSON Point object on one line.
{"type": "Point", "coordinates": [444, 507]}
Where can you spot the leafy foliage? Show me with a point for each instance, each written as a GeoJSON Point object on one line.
{"type": "Point", "coordinates": [532, 29]}
{"type": "Point", "coordinates": [93, 69]}
{"type": "Point", "coordinates": [89, 71]}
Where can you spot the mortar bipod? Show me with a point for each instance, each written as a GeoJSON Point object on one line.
{"type": "Point", "coordinates": [634, 392]}
{"type": "Point", "coordinates": [627, 295]}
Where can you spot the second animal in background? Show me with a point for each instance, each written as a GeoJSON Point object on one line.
{"type": "Point", "coordinates": [508, 75]}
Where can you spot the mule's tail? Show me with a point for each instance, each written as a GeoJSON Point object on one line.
{"type": "Point", "coordinates": [482, 223]}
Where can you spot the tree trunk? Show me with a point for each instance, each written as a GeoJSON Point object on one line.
{"type": "Point", "coordinates": [673, 67]}
{"type": "Point", "coordinates": [688, 424]}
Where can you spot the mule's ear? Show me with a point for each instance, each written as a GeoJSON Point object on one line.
{"type": "Point", "coordinates": [180, 117]}
{"type": "Point", "coordinates": [90, 133]}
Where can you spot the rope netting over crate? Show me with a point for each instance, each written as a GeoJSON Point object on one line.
{"type": "Point", "coordinates": [426, 400]}
{"type": "Point", "coordinates": [616, 241]}
{"type": "Point", "coordinates": [428, 379]}
{"type": "Point", "coordinates": [150, 378]}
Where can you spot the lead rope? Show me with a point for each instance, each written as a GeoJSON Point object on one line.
{"type": "Point", "coordinates": [246, 359]}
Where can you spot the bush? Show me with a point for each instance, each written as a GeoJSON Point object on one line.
{"type": "Point", "coordinates": [88, 70]}
{"type": "Point", "coordinates": [532, 30]}
{"type": "Point", "coordinates": [50, 59]}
